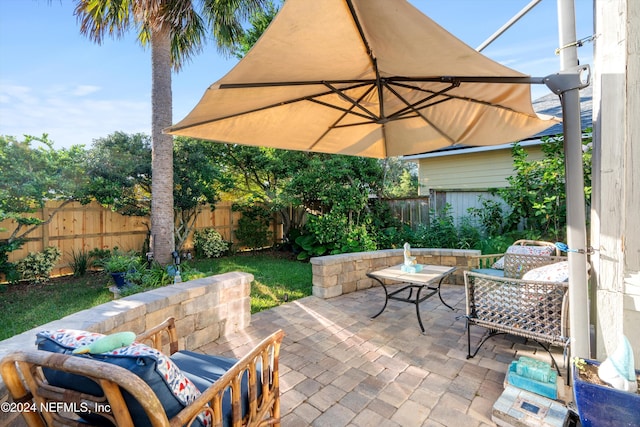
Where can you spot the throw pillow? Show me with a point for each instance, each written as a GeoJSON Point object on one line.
{"type": "Point", "coordinates": [173, 389]}
{"type": "Point", "coordinates": [558, 272]}
{"type": "Point", "coordinates": [524, 250]}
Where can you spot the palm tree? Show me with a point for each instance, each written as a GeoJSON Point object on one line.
{"type": "Point", "coordinates": [176, 30]}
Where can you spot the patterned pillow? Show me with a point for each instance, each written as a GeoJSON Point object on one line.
{"type": "Point", "coordinates": [558, 272]}
{"type": "Point", "coordinates": [524, 250]}
{"type": "Point", "coordinates": [174, 390]}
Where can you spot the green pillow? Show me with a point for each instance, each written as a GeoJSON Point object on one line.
{"type": "Point", "coordinates": [107, 343]}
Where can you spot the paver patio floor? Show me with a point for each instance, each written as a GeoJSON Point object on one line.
{"type": "Point", "coordinates": [339, 367]}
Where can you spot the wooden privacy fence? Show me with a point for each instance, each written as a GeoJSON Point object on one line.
{"type": "Point", "coordinates": [78, 227]}
{"type": "Point", "coordinates": [411, 211]}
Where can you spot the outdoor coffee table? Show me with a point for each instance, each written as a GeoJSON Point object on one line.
{"type": "Point", "coordinates": [424, 280]}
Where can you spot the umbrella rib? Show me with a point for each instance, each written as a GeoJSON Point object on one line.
{"type": "Point", "coordinates": [418, 112]}
{"type": "Point", "coordinates": [395, 80]}
{"type": "Point", "coordinates": [461, 98]}
{"type": "Point", "coordinates": [360, 83]}
{"type": "Point", "coordinates": [413, 107]}
{"type": "Point", "coordinates": [355, 103]}
{"type": "Point", "coordinates": [346, 111]}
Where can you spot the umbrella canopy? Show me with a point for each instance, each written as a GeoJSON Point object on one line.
{"type": "Point", "coordinates": [374, 78]}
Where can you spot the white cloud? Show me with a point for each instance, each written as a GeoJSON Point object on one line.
{"type": "Point", "coordinates": [69, 115]}
{"type": "Point", "coordinates": [84, 90]}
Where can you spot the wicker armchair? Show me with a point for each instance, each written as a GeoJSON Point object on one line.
{"type": "Point", "coordinates": [241, 392]}
{"type": "Point", "coordinates": [536, 310]}
{"type": "Point", "coordinates": [515, 264]}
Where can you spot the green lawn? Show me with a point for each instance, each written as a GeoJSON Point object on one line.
{"type": "Point", "coordinates": [23, 307]}
{"type": "Point", "coordinates": [276, 279]}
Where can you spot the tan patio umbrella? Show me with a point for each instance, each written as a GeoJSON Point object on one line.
{"type": "Point", "coordinates": [373, 78]}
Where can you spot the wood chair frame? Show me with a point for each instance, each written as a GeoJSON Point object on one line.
{"type": "Point", "coordinates": [27, 385]}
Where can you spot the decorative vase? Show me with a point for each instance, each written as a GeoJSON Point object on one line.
{"type": "Point", "coordinates": [604, 406]}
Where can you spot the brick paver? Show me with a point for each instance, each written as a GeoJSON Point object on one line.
{"type": "Point", "coordinates": [339, 367]}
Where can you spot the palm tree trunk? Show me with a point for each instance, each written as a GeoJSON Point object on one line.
{"type": "Point", "coordinates": [162, 225]}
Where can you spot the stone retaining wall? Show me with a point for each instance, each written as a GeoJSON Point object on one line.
{"type": "Point", "coordinates": [205, 309]}
{"type": "Point", "coordinates": [335, 275]}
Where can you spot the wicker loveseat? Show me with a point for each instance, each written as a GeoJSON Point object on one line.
{"type": "Point", "coordinates": [528, 298]}
{"type": "Point", "coordinates": [52, 386]}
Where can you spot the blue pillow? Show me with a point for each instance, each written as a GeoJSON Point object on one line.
{"type": "Point", "coordinates": [173, 389]}
{"type": "Point", "coordinates": [203, 370]}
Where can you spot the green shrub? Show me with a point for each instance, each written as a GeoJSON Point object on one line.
{"type": "Point", "coordinates": [36, 266]}
{"type": "Point", "coordinates": [99, 255]}
{"type": "Point", "coordinates": [209, 243]}
{"type": "Point", "coordinates": [120, 262]}
{"type": "Point", "coordinates": [253, 226]}
{"type": "Point", "coordinates": [490, 216]}
{"type": "Point", "coordinates": [144, 279]}
{"type": "Point", "coordinates": [9, 269]}
{"type": "Point", "coordinates": [333, 233]}
{"type": "Point", "coordinates": [468, 235]}
{"type": "Point", "coordinates": [356, 239]}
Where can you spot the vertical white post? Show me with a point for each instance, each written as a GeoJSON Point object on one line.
{"type": "Point", "coordinates": [576, 221]}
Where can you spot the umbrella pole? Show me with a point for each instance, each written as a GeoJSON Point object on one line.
{"type": "Point", "coordinates": [576, 222]}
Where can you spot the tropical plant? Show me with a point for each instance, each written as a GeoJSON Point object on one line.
{"type": "Point", "coordinates": [143, 279]}
{"type": "Point", "coordinates": [259, 21]}
{"type": "Point", "coordinates": [175, 32]}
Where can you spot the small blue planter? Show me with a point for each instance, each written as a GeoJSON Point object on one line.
{"type": "Point", "coordinates": [600, 406]}
{"type": "Point", "coordinates": [119, 279]}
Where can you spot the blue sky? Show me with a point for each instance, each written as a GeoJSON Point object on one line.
{"type": "Point", "coordinates": [54, 80]}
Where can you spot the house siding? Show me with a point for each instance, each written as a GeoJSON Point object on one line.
{"type": "Point", "coordinates": [472, 171]}
{"type": "Point", "coordinates": [460, 180]}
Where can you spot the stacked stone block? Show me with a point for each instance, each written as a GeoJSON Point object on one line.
{"type": "Point", "coordinates": [334, 275]}
{"type": "Point", "coordinates": [205, 309]}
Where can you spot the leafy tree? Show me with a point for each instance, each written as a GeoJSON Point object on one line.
{"type": "Point", "coordinates": [261, 176]}
{"type": "Point", "coordinates": [337, 182]}
{"type": "Point", "coordinates": [400, 178]}
{"type": "Point", "coordinates": [536, 193]}
{"type": "Point", "coordinates": [198, 181]}
{"type": "Point", "coordinates": [176, 31]}
{"type": "Point", "coordinates": [33, 172]}
{"type": "Point", "coordinates": [119, 168]}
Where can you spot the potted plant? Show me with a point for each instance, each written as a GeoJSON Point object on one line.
{"type": "Point", "coordinates": [119, 264]}
{"type": "Point", "coordinates": [599, 404]}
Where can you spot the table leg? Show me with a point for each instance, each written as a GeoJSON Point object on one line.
{"type": "Point", "coordinates": [440, 295]}
{"type": "Point", "coordinates": [386, 296]}
{"type": "Point", "coordinates": [418, 309]}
